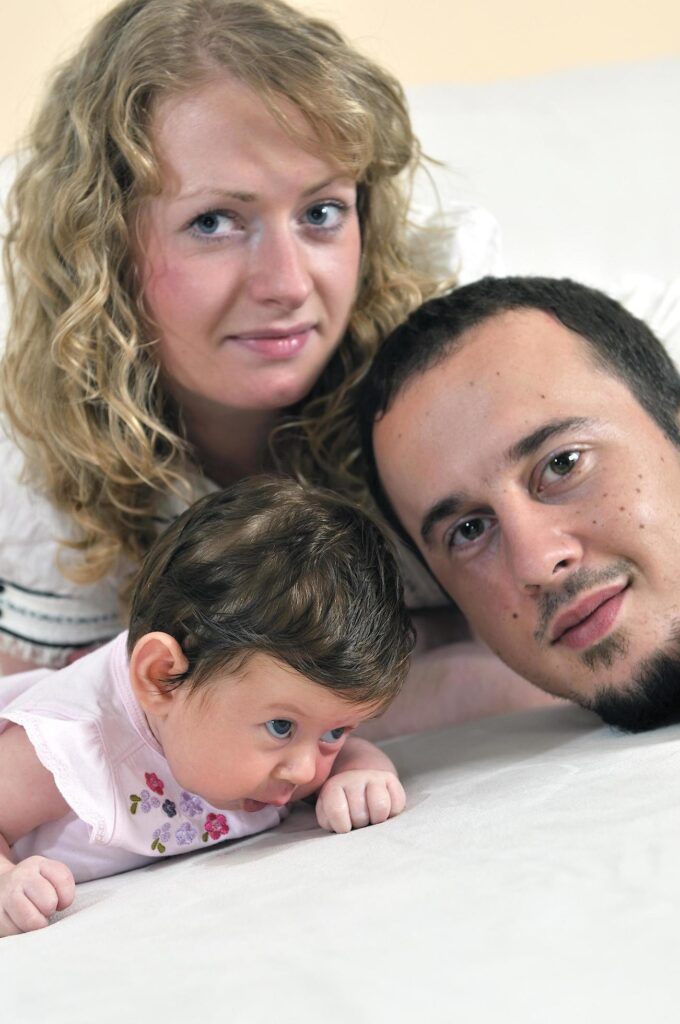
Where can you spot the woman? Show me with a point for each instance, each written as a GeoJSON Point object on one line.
{"type": "Point", "coordinates": [206, 245]}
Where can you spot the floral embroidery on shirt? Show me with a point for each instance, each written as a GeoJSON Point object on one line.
{"type": "Point", "coordinates": [215, 826]}
{"type": "Point", "coordinates": [182, 833]}
{"type": "Point", "coordinates": [160, 836]}
{"type": "Point", "coordinates": [190, 805]}
{"type": "Point", "coordinates": [154, 783]}
{"type": "Point", "coordinates": [185, 834]}
{"type": "Point", "coordinates": [144, 801]}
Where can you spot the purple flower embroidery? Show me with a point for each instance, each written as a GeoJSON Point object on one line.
{"type": "Point", "coordinates": [185, 834]}
{"type": "Point", "coordinates": [160, 836]}
{"type": "Point", "coordinates": [143, 802]}
{"type": "Point", "coordinates": [147, 801]}
{"type": "Point", "coordinates": [190, 805]}
{"type": "Point", "coordinates": [169, 808]}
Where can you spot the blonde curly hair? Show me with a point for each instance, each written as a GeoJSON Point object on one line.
{"type": "Point", "coordinates": [86, 403]}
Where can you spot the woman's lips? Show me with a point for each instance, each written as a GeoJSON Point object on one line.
{"type": "Point", "coordinates": [275, 343]}
{"type": "Point", "coordinates": [590, 620]}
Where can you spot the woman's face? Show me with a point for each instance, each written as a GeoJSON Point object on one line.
{"type": "Point", "coordinates": [249, 257]}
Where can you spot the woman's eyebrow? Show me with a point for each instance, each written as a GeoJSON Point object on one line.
{"type": "Point", "coordinates": [530, 443]}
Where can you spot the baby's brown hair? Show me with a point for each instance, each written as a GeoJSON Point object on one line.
{"type": "Point", "coordinates": [272, 567]}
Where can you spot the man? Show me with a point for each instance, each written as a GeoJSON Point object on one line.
{"type": "Point", "coordinates": [522, 434]}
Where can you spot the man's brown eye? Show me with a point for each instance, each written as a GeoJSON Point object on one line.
{"type": "Point", "coordinates": [468, 531]}
{"type": "Point", "coordinates": [472, 529]}
{"type": "Point", "coordinates": [563, 463]}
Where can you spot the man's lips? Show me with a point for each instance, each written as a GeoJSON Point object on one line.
{"type": "Point", "coordinates": [590, 619]}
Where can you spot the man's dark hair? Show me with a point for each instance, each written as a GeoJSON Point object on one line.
{"type": "Point", "coordinates": [271, 567]}
{"type": "Point", "coordinates": [619, 344]}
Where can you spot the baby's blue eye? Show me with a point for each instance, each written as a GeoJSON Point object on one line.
{"type": "Point", "coordinates": [279, 728]}
{"type": "Point", "coordinates": [333, 735]}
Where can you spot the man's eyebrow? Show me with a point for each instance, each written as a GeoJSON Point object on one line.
{"type": "Point", "coordinates": [443, 509]}
{"type": "Point", "coordinates": [530, 444]}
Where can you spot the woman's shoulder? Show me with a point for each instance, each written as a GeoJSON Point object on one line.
{"type": "Point", "coordinates": [44, 617]}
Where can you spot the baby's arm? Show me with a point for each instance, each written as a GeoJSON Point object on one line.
{"type": "Point", "coordinates": [33, 889]}
{"type": "Point", "coordinates": [362, 789]}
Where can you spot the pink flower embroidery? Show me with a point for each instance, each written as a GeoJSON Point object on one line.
{"type": "Point", "coordinates": [154, 783]}
{"type": "Point", "coordinates": [215, 826]}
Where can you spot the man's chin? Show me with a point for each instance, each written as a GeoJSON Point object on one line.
{"type": "Point", "coordinates": [649, 700]}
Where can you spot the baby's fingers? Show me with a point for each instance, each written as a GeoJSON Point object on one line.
{"type": "Point", "coordinates": [21, 914]}
{"type": "Point", "coordinates": [397, 795]}
{"type": "Point", "coordinates": [332, 811]}
{"type": "Point", "coordinates": [31, 892]}
{"type": "Point", "coordinates": [62, 880]}
{"type": "Point", "coordinates": [378, 803]}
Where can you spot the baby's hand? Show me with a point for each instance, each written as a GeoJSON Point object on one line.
{"type": "Point", "coordinates": [31, 892]}
{"type": "Point", "coordinates": [358, 797]}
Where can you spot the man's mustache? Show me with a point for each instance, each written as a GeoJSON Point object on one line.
{"type": "Point", "coordinates": [582, 579]}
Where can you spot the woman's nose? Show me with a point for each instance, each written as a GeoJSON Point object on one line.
{"type": "Point", "coordinates": [279, 269]}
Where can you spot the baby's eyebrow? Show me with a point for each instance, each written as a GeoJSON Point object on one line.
{"type": "Point", "coordinates": [530, 443]}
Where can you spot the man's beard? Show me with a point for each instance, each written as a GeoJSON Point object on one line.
{"type": "Point", "coordinates": [651, 699]}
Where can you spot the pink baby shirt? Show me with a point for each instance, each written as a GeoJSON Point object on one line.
{"type": "Point", "coordinates": [126, 808]}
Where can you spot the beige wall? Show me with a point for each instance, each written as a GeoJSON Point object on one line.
{"type": "Point", "coordinates": [464, 40]}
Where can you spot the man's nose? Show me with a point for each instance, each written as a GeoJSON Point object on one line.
{"type": "Point", "coordinates": [541, 546]}
{"type": "Point", "coordinates": [279, 271]}
{"type": "Point", "coordinates": [298, 765]}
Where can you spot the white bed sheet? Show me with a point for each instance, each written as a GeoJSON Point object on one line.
{"type": "Point", "coordinates": [532, 878]}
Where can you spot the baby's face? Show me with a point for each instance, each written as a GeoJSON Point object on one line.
{"type": "Point", "coordinates": [264, 735]}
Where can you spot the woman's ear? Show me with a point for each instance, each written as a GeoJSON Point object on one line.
{"type": "Point", "coordinates": [156, 658]}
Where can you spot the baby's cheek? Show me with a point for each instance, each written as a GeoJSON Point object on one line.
{"type": "Point", "coordinates": [324, 767]}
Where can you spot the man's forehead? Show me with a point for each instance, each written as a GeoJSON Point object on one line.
{"type": "Point", "coordinates": [507, 343]}
{"type": "Point", "coordinates": [516, 380]}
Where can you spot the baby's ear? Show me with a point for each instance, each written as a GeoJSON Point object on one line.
{"type": "Point", "coordinates": [155, 660]}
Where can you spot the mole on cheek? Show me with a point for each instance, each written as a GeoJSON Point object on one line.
{"type": "Point", "coordinates": [515, 615]}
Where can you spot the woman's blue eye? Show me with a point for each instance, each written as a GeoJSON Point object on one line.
{"type": "Point", "coordinates": [324, 215]}
{"type": "Point", "coordinates": [211, 223]}
{"type": "Point", "coordinates": [333, 735]}
{"type": "Point", "coordinates": [279, 728]}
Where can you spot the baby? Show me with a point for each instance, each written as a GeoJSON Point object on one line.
{"type": "Point", "coordinates": [266, 623]}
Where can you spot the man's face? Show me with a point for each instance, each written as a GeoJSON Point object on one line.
{"type": "Point", "coordinates": [545, 500]}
